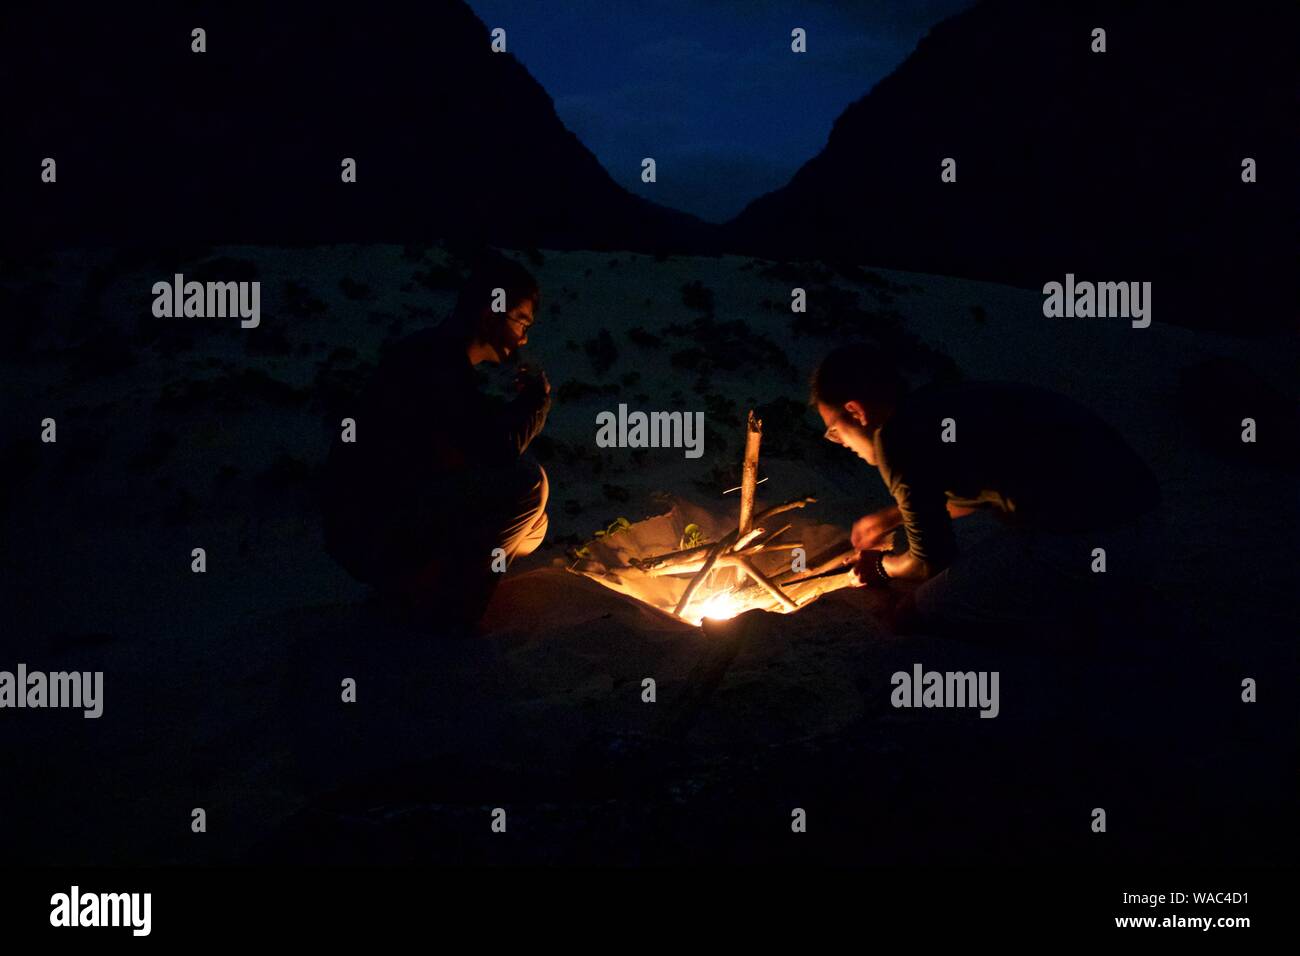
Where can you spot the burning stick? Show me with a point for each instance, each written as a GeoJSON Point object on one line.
{"type": "Point", "coordinates": [821, 574]}
{"type": "Point", "coordinates": [726, 542]}
{"type": "Point", "coordinates": [690, 559]}
{"type": "Point", "coordinates": [691, 564]}
{"type": "Point", "coordinates": [831, 558]}
{"type": "Point", "coordinates": [764, 543]}
{"type": "Point", "coordinates": [737, 549]}
{"type": "Point", "coordinates": [703, 572]}
{"type": "Point", "coordinates": [661, 563]}
{"type": "Point", "coordinates": [765, 583]}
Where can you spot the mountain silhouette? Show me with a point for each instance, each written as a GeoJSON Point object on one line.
{"type": "Point", "coordinates": [1117, 166]}
{"type": "Point", "coordinates": [244, 142]}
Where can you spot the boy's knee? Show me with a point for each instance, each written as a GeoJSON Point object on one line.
{"type": "Point", "coordinates": [538, 499]}
{"type": "Point", "coordinates": [526, 526]}
{"type": "Point", "coordinates": [535, 536]}
{"type": "Point", "coordinates": [541, 490]}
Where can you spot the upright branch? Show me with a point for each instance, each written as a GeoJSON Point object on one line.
{"type": "Point", "coordinates": [749, 472]}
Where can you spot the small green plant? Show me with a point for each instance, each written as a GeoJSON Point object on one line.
{"type": "Point", "coordinates": [615, 526]}
{"type": "Point", "coordinates": [581, 552]}
{"type": "Point", "coordinates": [692, 537]}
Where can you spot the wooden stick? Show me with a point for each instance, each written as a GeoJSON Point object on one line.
{"type": "Point", "coordinates": [769, 548]}
{"type": "Point", "coordinates": [689, 566]}
{"type": "Point", "coordinates": [688, 562]}
{"type": "Point", "coordinates": [780, 509]}
{"type": "Point", "coordinates": [768, 539]}
{"type": "Point", "coordinates": [714, 553]}
{"type": "Point", "coordinates": [686, 559]}
{"type": "Point", "coordinates": [668, 557]}
{"type": "Point", "coordinates": [726, 542]}
{"type": "Point", "coordinates": [749, 471]}
{"type": "Point", "coordinates": [824, 560]}
{"type": "Point", "coordinates": [764, 582]}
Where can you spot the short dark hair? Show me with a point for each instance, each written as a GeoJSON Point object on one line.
{"type": "Point", "coordinates": [859, 373]}
{"type": "Point", "coordinates": [490, 271]}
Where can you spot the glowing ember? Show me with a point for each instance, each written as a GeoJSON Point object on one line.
{"type": "Point", "coordinates": [719, 607]}
{"type": "Point", "coordinates": [657, 563]}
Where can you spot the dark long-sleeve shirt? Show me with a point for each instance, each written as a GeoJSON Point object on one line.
{"type": "Point", "coordinates": [427, 414]}
{"type": "Point", "coordinates": [423, 421]}
{"type": "Point", "coordinates": [1042, 460]}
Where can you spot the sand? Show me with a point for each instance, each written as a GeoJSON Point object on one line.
{"type": "Point", "coordinates": [222, 690]}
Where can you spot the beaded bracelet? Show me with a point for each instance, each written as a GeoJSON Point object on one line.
{"type": "Point", "coordinates": [876, 575]}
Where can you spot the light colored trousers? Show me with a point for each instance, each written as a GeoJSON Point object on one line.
{"type": "Point", "coordinates": [526, 529]}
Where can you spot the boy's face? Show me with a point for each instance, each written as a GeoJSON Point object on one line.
{"type": "Point", "coordinates": [510, 331]}
{"type": "Point", "coordinates": [848, 426]}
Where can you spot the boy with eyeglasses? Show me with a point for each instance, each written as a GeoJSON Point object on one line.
{"type": "Point", "coordinates": [1079, 507]}
{"type": "Point", "coordinates": [436, 495]}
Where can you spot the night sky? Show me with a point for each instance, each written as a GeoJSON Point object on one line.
{"type": "Point", "coordinates": [710, 89]}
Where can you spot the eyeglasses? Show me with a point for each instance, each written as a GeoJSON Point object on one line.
{"type": "Point", "coordinates": [523, 325]}
{"type": "Point", "coordinates": [833, 432]}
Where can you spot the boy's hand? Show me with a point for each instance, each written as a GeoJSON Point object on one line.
{"type": "Point", "coordinates": [870, 531]}
{"type": "Point", "coordinates": [531, 377]}
{"type": "Point", "coordinates": [866, 569]}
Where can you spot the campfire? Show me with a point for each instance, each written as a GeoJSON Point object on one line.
{"type": "Point", "coordinates": [691, 564]}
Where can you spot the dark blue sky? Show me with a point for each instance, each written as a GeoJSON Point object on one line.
{"type": "Point", "coordinates": [709, 88]}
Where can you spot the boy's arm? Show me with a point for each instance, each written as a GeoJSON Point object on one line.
{"type": "Point", "coordinates": [498, 430]}
{"type": "Point", "coordinates": [906, 567]}
{"type": "Point", "coordinates": [870, 530]}
{"type": "Point", "coordinates": [930, 540]}
{"type": "Point", "coordinates": [526, 415]}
